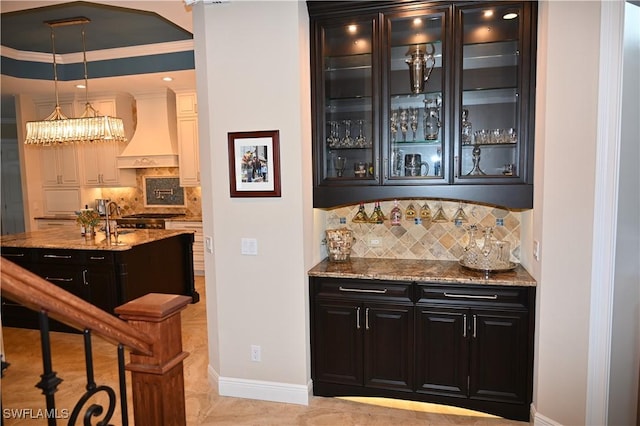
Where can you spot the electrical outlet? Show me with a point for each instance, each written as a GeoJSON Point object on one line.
{"type": "Point", "coordinates": [375, 242]}
{"type": "Point", "coordinates": [255, 353]}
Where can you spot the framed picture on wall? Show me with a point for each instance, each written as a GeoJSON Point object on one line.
{"type": "Point", "coordinates": [254, 163]}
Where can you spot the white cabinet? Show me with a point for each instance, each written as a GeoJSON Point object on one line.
{"type": "Point", "coordinates": [59, 163]}
{"type": "Point", "coordinates": [101, 168]}
{"type": "Point", "coordinates": [198, 243]}
{"type": "Point", "coordinates": [188, 147]}
{"type": "Point", "coordinates": [99, 160]}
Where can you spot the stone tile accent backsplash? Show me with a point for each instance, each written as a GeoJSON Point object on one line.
{"type": "Point", "coordinates": [131, 200]}
{"type": "Point", "coordinates": [433, 241]}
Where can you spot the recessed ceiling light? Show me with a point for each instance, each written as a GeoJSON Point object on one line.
{"type": "Point", "coordinates": [352, 28]}
{"type": "Point", "coordinates": [510, 15]}
{"type": "Point", "coordinates": [167, 78]}
{"type": "Point", "coordinates": [488, 13]}
{"type": "Point", "coordinates": [417, 21]}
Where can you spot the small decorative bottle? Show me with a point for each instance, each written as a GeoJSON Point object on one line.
{"type": "Point", "coordinates": [396, 214]}
{"type": "Point", "coordinates": [466, 128]}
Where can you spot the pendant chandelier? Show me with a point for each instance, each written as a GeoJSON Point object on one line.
{"type": "Point", "coordinates": [89, 127]}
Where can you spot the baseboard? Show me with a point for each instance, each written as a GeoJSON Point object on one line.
{"type": "Point", "coordinates": [261, 390]}
{"type": "Point", "coordinates": [540, 420]}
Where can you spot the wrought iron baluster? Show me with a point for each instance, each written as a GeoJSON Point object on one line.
{"type": "Point", "coordinates": [123, 386]}
{"type": "Point", "coordinates": [93, 410]}
{"type": "Point", "coordinates": [49, 382]}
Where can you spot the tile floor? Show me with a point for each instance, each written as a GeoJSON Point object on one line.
{"type": "Point", "coordinates": [203, 404]}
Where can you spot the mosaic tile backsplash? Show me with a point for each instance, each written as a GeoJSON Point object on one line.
{"type": "Point", "coordinates": [418, 239]}
{"type": "Point", "coordinates": [132, 200]}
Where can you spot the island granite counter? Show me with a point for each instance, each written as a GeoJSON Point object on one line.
{"type": "Point", "coordinates": [423, 330]}
{"type": "Point", "coordinates": [102, 271]}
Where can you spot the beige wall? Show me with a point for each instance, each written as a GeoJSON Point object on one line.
{"type": "Point", "coordinates": [255, 55]}
{"type": "Point", "coordinates": [566, 114]}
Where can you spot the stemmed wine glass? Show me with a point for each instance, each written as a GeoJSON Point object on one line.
{"type": "Point", "coordinates": [413, 121]}
{"type": "Point", "coordinates": [360, 139]}
{"type": "Point", "coordinates": [403, 123]}
{"type": "Point", "coordinates": [347, 140]}
{"type": "Point", "coordinates": [394, 125]}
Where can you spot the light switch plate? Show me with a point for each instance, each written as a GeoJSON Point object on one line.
{"type": "Point", "coordinates": [249, 246]}
{"type": "Point", "coordinates": [208, 243]}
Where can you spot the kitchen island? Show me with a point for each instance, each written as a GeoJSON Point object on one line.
{"type": "Point", "coordinates": [103, 271]}
{"type": "Point", "coordinates": [423, 330]}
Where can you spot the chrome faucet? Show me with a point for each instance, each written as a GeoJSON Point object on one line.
{"type": "Point", "coordinates": [107, 220]}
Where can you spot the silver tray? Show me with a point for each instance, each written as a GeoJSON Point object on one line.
{"type": "Point", "coordinates": [511, 267]}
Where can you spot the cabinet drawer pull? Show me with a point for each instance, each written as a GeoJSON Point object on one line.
{"type": "Point", "coordinates": [64, 280]}
{"type": "Point", "coordinates": [57, 256]}
{"type": "Point", "coordinates": [362, 290]}
{"type": "Point", "coordinates": [13, 254]}
{"type": "Point", "coordinates": [84, 277]}
{"type": "Point", "coordinates": [96, 257]}
{"type": "Point", "coordinates": [358, 318]}
{"type": "Point", "coordinates": [471, 296]}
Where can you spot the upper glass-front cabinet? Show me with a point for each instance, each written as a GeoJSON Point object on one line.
{"type": "Point", "coordinates": [348, 89]}
{"type": "Point", "coordinates": [416, 102]}
{"type": "Point", "coordinates": [423, 100]}
{"type": "Point", "coordinates": [489, 141]}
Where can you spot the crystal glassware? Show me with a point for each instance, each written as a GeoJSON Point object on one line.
{"type": "Point", "coordinates": [347, 141]}
{"type": "Point", "coordinates": [361, 142]}
{"type": "Point", "coordinates": [413, 121]}
{"type": "Point", "coordinates": [404, 121]}
{"type": "Point", "coordinates": [394, 125]}
{"type": "Point", "coordinates": [339, 164]}
{"type": "Point", "coordinates": [466, 128]}
{"type": "Point", "coordinates": [476, 171]}
{"type": "Point", "coordinates": [460, 216]}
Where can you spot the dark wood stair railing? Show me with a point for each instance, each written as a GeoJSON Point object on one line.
{"type": "Point", "coordinates": [152, 332]}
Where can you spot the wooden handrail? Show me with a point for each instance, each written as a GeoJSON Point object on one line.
{"type": "Point", "coordinates": [34, 292]}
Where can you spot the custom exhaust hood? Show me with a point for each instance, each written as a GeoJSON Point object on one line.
{"type": "Point", "coordinates": [155, 141]}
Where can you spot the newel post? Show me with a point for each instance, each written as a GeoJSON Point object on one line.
{"type": "Point", "coordinates": [157, 380]}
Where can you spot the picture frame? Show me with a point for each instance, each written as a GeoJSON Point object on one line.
{"type": "Point", "coordinates": [254, 163]}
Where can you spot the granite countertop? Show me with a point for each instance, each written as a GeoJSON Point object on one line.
{"type": "Point", "coordinates": [71, 239]}
{"type": "Point", "coordinates": [440, 271]}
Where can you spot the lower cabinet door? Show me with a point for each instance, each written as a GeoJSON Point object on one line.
{"type": "Point", "coordinates": [337, 343]}
{"type": "Point", "coordinates": [442, 351]}
{"type": "Point", "coordinates": [388, 347]}
{"type": "Point", "coordinates": [498, 359]}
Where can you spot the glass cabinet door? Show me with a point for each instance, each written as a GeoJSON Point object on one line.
{"type": "Point", "coordinates": [415, 117]}
{"type": "Point", "coordinates": [348, 141]}
{"type": "Point", "coordinates": [489, 134]}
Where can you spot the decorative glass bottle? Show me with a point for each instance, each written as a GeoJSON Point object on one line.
{"type": "Point", "coordinates": [466, 128]}
{"type": "Point", "coordinates": [396, 214]}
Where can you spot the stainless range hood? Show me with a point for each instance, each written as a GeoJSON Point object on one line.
{"type": "Point", "coordinates": [155, 141]}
